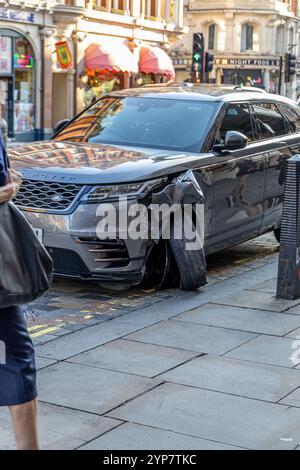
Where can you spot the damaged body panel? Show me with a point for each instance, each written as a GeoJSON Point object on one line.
{"type": "Point", "coordinates": [215, 156]}
{"type": "Point", "coordinates": [182, 191]}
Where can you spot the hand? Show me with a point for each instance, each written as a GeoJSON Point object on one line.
{"type": "Point", "coordinates": [15, 177]}
{"type": "Point", "coordinates": [8, 192]}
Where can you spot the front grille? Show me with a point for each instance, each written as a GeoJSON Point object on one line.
{"type": "Point", "coordinates": [47, 196]}
{"type": "Point", "coordinates": [68, 263]}
{"type": "Point", "coordinates": [106, 253]}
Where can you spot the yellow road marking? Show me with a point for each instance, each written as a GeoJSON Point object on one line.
{"type": "Point", "coordinates": [36, 327]}
{"type": "Point", "coordinates": [46, 331]}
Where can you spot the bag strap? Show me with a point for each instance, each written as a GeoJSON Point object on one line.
{"type": "Point", "coordinates": [5, 155]}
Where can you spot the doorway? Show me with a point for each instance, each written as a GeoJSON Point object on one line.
{"type": "Point", "coordinates": [17, 84]}
{"type": "Point", "coordinates": [62, 93]}
{"type": "Point", "coordinates": [6, 103]}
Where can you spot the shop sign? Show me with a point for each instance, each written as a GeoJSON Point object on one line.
{"type": "Point", "coordinates": [22, 61]}
{"type": "Point", "coordinates": [63, 53]}
{"type": "Point", "coordinates": [251, 61]}
{"type": "Point", "coordinates": [23, 16]}
{"type": "Point", "coordinates": [182, 61]}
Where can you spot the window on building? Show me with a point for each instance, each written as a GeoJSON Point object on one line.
{"type": "Point", "coordinates": [100, 5]}
{"type": "Point", "coordinates": [280, 39]}
{"type": "Point", "coordinates": [212, 37]}
{"type": "Point", "coordinates": [247, 34]}
{"type": "Point", "coordinates": [17, 82]}
{"type": "Point", "coordinates": [269, 120]}
{"type": "Point", "coordinates": [291, 37]}
{"type": "Point", "coordinates": [118, 6]}
{"type": "Point", "coordinates": [150, 9]}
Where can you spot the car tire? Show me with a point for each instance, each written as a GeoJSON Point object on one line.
{"type": "Point", "coordinates": [191, 265]}
{"type": "Point", "coordinates": [161, 270]}
{"type": "Point", "coordinates": [277, 234]}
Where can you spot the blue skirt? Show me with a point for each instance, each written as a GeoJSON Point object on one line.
{"type": "Point", "coordinates": [17, 361]}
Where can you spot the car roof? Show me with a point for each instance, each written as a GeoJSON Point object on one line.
{"type": "Point", "coordinates": [202, 92]}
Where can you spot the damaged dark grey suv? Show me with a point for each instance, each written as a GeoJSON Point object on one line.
{"type": "Point", "coordinates": [184, 144]}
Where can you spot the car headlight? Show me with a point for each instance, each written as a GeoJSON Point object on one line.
{"type": "Point", "coordinates": [130, 190]}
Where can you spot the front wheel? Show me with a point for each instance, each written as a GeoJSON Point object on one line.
{"type": "Point", "coordinates": [161, 270]}
{"type": "Point", "coordinates": [191, 266]}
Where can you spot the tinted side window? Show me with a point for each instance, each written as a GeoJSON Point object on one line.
{"type": "Point", "coordinates": [292, 114]}
{"type": "Point", "coordinates": [237, 118]}
{"type": "Point", "coordinates": [270, 122]}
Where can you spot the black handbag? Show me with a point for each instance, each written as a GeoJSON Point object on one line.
{"type": "Point", "coordinates": [26, 268]}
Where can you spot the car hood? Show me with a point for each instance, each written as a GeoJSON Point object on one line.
{"type": "Point", "coordinates": [97, 163]}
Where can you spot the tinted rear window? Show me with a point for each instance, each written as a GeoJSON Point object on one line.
{"type": "Point", "coordinates": [292, 114]}
{"type": "Point", "coordinates": [269, 121]}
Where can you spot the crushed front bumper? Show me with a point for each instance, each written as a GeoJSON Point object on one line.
{"type": "Point", "coordinates": [77, 252]}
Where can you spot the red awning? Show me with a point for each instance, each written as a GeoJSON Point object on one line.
{"type": "Point", "coordinates": [112, 56]}
{"type": "Point", "coordinates": [155, 60]}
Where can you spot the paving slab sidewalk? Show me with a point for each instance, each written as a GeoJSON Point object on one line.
{"type": "Point", "coordinates": [213, 369]}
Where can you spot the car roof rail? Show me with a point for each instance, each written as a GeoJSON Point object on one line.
{"type": "Point", "coordinates": [169, 84]}
{"type": "Point", "coordinates": [179, 84]}
{"type": "Point", "coordinates": [249, 88]}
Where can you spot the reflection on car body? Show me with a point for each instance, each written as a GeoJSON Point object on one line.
{"type": "Point", "coordinates": [234, 142]}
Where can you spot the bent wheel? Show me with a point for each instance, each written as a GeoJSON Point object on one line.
{"type": "Point", "coordinates": [161, 271]}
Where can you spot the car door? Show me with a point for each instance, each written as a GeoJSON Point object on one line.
{"type": "Point", "coordinates": [280, 142]}
{"type": "Point", "coordinates": [238, 181]}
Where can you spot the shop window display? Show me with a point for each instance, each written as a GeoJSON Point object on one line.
{"type": "Point", "coordinates": [243, 77]}
{"type": "Point", "coordinates": [24, 86]}
{"type": "Point", "coordinates": [17, 82]}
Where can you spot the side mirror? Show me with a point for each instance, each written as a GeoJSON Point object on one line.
{"type": "Point", "coordinates": [60, 125]}
{"type": "Point", "coordinates": [233, 141]}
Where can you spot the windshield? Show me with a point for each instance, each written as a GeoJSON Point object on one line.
{"type": "Point", "coordinates": [143, 122]}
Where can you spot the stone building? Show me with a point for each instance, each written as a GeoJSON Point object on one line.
{"type": "Point", "coordinates": [248, 38]}
{"type": "Point", "coordinates": [110, 42]}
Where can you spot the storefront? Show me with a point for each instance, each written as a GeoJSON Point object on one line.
{"type": "Point", "coordinates": [260, 72]}
{"type": "Point", "coordinates": [25, 69]}
{"type": "Point", "coordinates": [17, 83]}
{"type": "Point", "coordinates": [155, 66]}
{"type": "Point", "coordinates": [109, 64]}
{"type": "Point", "coordinates": [115, 63]}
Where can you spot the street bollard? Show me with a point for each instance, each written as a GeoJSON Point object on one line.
{"type": "Point", "coordinates": [288, 279]}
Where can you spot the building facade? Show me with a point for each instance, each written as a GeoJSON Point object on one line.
{"type": "Point", "coordinates": [22, 32]}
{"type": "Point", "coordinates": [248, 38]}
{"type": "Point", "coordinates": [112, 44]}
